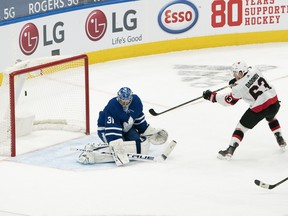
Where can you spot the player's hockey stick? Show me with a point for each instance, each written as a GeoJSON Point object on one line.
{"type": "Point", "coordinates": [269, 186]}
{"type": "Point", "coordinates": [154, 113]}
{"type": "Point", "coordinates": [141, 157]}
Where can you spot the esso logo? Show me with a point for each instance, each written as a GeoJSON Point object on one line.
{"type": "Point", "coordinates": [29, 39]}
{"type": "Point", "coordinates": [96, 25]}
{"type": "Point", "coordinates": [178, 16]}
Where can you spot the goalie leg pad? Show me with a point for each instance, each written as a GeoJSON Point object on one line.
{"type": "Point", "coordinates": [92, 156]}
{"type": "Point", "coordinates": [130, 146]}
{"type": "Point", "coordinates": [145, 146]}
{"type": "Point", "coordinates": [86, 158]}
{"type": "Point", "coordinates": [118, 152]}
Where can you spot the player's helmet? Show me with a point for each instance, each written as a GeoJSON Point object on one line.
{"type": "Point", "coordinates": [239, 68]}
{"type": "Point", "coordinates": [125, 96]}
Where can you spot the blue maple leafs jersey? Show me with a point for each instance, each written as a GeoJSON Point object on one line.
{"type": "Point", "coordinates": [115, 121]}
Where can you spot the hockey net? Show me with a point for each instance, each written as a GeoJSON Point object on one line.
{"type": "Point", "coordinates": [43, 94]}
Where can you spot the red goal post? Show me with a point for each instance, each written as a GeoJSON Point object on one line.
{"type": "Point", "coordinates": [52, 94]}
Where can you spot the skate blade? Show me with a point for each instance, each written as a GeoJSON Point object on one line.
{"type": "Point", "coordinates": [227, 157]}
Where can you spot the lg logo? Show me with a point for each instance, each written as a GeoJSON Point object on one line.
{"type": "Point", "coordinates": [29, 37]}
{"type": "Point", "coordinates": [129, 21]}
{"type": "Point", "coordinates": [95, 27]}
{"type": "Point", "coordinates": [96, 23]}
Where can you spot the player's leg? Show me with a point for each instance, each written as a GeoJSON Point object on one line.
{"type": "Point", "coordinates": [274, 124]}
{"type": "Point", "coordinates": [247, 121]}
{"type": "Point", "coordinates": [236, 138]}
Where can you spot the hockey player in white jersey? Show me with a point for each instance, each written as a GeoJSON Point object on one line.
{"type": "Point", "coordinates": [123, 126]}
{"type": "Point", "coordinates": [250, 85]}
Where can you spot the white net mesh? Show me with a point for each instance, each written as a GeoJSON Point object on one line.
{"type": "Point", "coordinates": [49, 98]}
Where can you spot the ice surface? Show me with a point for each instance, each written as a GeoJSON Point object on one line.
{"type": "Point", "coordinates": [192, 181]}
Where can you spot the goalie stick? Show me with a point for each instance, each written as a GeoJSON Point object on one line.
{"type": "Point", "coordinates": [154, 113]}
{"type": "Point", "coordinates": [269, 186]}
{"type": "Point", "coordinates": [140, 157]}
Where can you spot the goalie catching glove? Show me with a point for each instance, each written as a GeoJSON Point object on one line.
{"type": "Point", "coordinates": [155, 135]}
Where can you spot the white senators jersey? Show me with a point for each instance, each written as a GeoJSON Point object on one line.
{"type": "Point", "coordinates": [253, 89]}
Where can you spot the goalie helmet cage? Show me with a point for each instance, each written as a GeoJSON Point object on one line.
{"type": "Point", "coordinates": [51, 78]}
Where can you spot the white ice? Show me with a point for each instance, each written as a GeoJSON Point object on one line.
{"type": "Point", "coordinates": [192, 181]}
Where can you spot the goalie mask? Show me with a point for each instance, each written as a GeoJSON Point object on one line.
{"type": "Point", "coordinates": [124, 97]}
{"type": "Point", "coordinates": [239, 69]}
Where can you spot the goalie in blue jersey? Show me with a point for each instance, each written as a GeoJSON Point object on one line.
{"type": "Point", "coordinates": [122, 125]}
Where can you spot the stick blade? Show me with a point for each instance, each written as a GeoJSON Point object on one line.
{"type": "Point", "coordinates": [152, 112]}
{"type": "Point", "coordinates": [257, 182]}
{"type": "Point", "coordinates": [262, 184]}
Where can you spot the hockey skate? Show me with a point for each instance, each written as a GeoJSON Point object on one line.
{"type": "Point", "coordinates": [228, 153]}
{"type": "Point", "coordinates": [280, 140]}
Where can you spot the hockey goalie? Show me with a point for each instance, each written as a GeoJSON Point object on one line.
{"type": "Point", "coordinates": [123, 129]}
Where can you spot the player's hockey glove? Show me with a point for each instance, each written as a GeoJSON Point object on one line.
{"type": "Point", "coordinates": [232, 81]}
{"type": "Point", "coordinates": [209, 95]}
